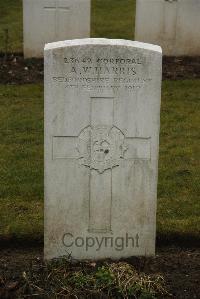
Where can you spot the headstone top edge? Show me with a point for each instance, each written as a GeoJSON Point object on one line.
{"type": "Point", "coordinates": [102, 41]}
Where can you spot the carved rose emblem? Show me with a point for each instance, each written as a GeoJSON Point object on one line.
{"type": "Point", "coordinates": [101, 147]}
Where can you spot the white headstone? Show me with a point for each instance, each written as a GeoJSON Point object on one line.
{"type": "Point", "coordinates": [47, 21]}
{"type": "Point", "coordinates": [172, 24]}
{"type": "Point", "coordinates": [102, 115]}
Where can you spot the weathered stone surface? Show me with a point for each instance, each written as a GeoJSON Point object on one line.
{"type": "Point", "coordinates": [172, 24]}
{"type": "Point", "coordinates": [102, 111]}
{"type": "Point", "coordinates": [47, 21]}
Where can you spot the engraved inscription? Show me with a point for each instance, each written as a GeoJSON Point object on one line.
{"type": "Point", "coordinates": [102, 73]}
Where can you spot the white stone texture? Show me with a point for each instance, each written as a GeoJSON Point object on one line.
{"type": "Point", "coordinates": [172, 24]}
{"type": "Point", "coordinates": [102, 115]}
{"type": "Point", "coordinates": [46, 21]}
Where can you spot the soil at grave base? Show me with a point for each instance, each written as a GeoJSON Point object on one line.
{"type": "Point", "coordinates": [179, 267]}
{"type": "Point", "coordinates": [15, 70]}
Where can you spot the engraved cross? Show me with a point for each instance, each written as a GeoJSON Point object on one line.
{"type": "Point", "coordinates": [56, 7]}
{"type": "Point", "coordinates": [101, 147]}
{"type": "Point", "coordinates": [170, 13]}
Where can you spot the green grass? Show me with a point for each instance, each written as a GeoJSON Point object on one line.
{"type": "Point", "coordinates": [11, 21]}
{"type": "Point", "coordinates": [21, 159]}
{"type": "Point", "coordinates": [179, 164]}
{"type": "Point", "coordinates": [113, 18]}
{"type": "Point", "coordinates": [110, 18]}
